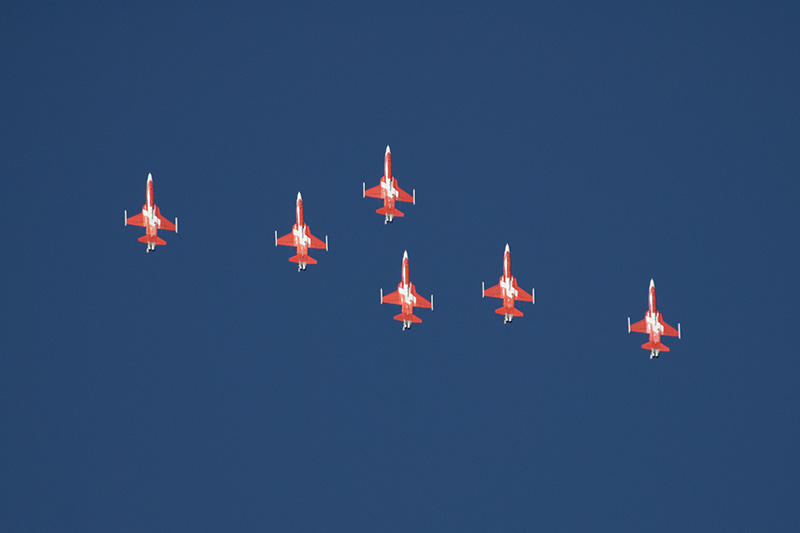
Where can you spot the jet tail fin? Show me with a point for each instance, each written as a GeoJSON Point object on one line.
{"type": "Point", "coordinates": [505, 311]}
{"type": "Point", "coordinates": [158, 240]}
{"type": "Point", "coordinates": [307, 259]}
{"type": "Point", "coordinates": [414, 318]}
{"type": "Point", "coordinates": [655, 345]}
{"type": "Point", "coordinates": [396, 212]}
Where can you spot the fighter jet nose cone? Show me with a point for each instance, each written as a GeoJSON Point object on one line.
{"type": "Point", "coordinates": [652, 283]}
{"type": "Point", "coordinates": [149, 177]}
{"type": "Point", "coordinates": [507, 250]}
{"type": "Point", "coordinates": [299, 197]}
{"type": "Point", "coordinates": [405, 255]}
{"type": "Point", "coordinates": [388, 150]}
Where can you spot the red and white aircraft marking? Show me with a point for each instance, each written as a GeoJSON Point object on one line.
{"type": "Point", "coordinates": [406, 296]}
{"type": "Point", "coordinates": [301, 238]}
{"type": "Point", "coordinates": [150, 218]}
{"type": "Point", "coordinates": [389, 191]}
{"type": "Point", "coordinates": [654, 326]}
{"type": "Point", "coordinates": [508, 290]}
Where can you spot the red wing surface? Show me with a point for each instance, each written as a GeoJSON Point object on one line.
{"type": "Point", "coordinates": [374, 192]}
{"type": "Point", "coordinates": [403, 196]}
{"type": "Point", "coordinates": [421, 302]}
{"type": "Point", "coordinates": [494, 292]}
{"type": "Point", "coordinates": [315, 242]}
{"type": "Point", "coordinates": [640, 327]}
{"type": "Point", "coordinates": [287, 240]}
{"type": "Point", "coordinates": [393, 298]}
{"type": "Point", "coordinates": [521, 294]}
{"type": "Point", "coordinates": [668, 330]}
{"type": "Point", "coordinates": [136, 220]}
{"type": "Point", "coordinates": [166, 224]}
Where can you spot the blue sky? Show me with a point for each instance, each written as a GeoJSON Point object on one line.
{"type": "Point", "coordinates": [210, 386]}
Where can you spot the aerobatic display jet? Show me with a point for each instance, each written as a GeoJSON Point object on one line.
{"type": "Point", "coordinates": [654, 325]}
{"type": "Point", "coordinates": [389, 191]}
{"type": "Point", "coordinates": [406, 296]}
{"type": "Point", "coordinates": [301, 238]}
{"type": "Point", "coordinates": [508, 290]}
{"type": "Point", "coordinates": [150, 218]}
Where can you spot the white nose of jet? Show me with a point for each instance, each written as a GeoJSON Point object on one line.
{"type": "Point", "coordinates": [405, 255]}
{"type": "Point", "coordinates": [388, 150]}
{"type": "Point", "coordinates": [149, 177]}
{"type": "Point", "coordinates": [299, 197]}
{"type": "Point", "coordinates": [507, 250]}
{"type": "Point", "coordinates": [652, 283]}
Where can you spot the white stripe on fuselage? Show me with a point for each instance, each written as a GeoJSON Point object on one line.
{"type": "Point", "coordinates": [391, 192]}
{"type": "Point", "coordinates": [655, 325]}
{"type": "Point", "coordinates": [508, 287]}
{"type": "Point", "coordinates": [406, 294]}
{"type": "Point", "coordinates": [302, 238]}
{"type": "Point", "coordinates": [150, 217]}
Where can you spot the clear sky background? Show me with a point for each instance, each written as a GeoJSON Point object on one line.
{"type": "Point", "coordinates": [210, 386]}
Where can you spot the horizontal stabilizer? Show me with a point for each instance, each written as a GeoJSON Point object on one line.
{"type": "Point", "coordinates": [506, 311]}
{"type": "Point", "coordinates": [307, 259]}
{"type": "Point", "coordinates": [414, 318]}
{"type": "Point", "coordinates": [396, 212]}
{"type": "Point", "coordinates": [158, 240]}
{"type": "Point", "coordinates": [655, 345]}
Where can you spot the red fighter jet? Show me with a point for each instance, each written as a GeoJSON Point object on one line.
{"type": "Point", "coordinates": [406, 295]}
{"type": "Point", "coordinates": [301, 238]}
{"type": "Point", "coordinates": [389, 191]}
{"type": "Point", "coordinates": [654, 326]}
{"type": "Point", "coordinates": [151, 219]}
{"type": "Point", "coordinates": [508, 290]}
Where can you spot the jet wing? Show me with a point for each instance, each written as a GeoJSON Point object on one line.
{"type": "Point", "coordinates": [374, 192]}
{"type": "Point", "coordinates": [421, 302]}
{"type": "Point", "coordinates": [522, 296]}
{"type": "Point", "coordinates": [640, 327]}
{"type": "Point", "coordinates": [392, 298]}
{"type": "Point", "coordinates": [403, 196]}
{"type": "Point", "coordinates": [315, 242]}
{"type": "Point", "coordinates": [669, 330]}
{"type": "Point", "coordinates": [165, 224]}
{"type": "Point", "coordinates": [136, 220]}
{"type": "Point", "coordinates": [286, 240]}
{"type": "Point", "coordinates": [494, 292]}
